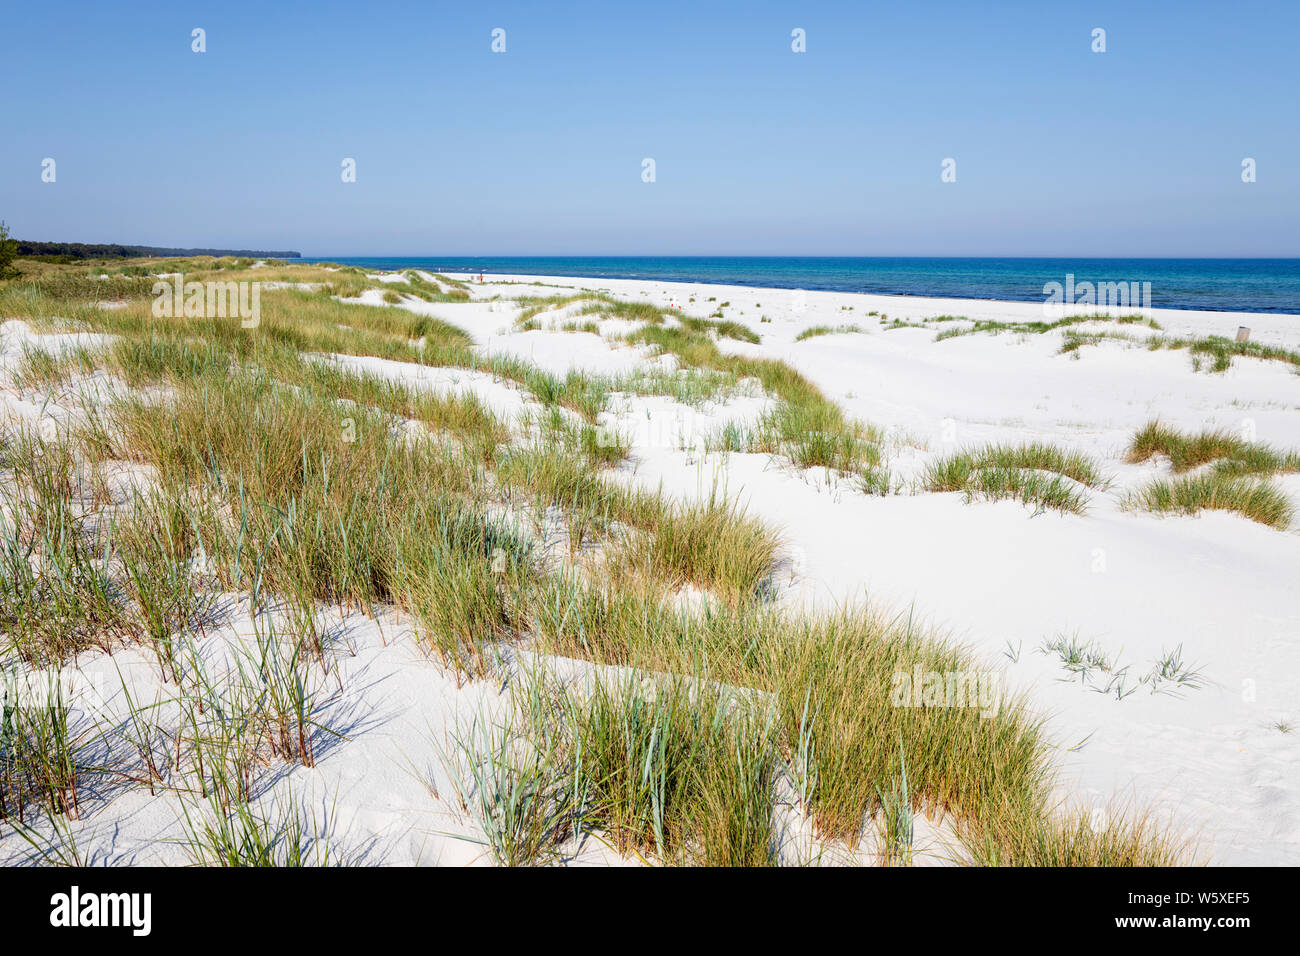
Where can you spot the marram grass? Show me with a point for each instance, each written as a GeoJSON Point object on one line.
{"type": "Point", "coordinates": [1037, 474]}
{"type": "Point", "coordinates": [1252, 498]}
{"type": "Point", "coordinates": [281, 475]}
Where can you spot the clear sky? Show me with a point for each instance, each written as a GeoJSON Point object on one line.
{"type": "Point", "coordinates": [758, 150]}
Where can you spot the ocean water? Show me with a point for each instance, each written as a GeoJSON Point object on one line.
{"type": "Point", "coordinates": [1235, 285]}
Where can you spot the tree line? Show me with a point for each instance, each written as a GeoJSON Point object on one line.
{"type": "Point", "coordinates": [85, 250]}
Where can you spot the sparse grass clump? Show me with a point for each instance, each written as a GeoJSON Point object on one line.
{"type": "Point", "coordinates": [817, 330]}
{"type": "Point", "coordinates": [665, 767]}
{"type": "Point", "coordinates": [991, 326]}
{"type": "Point", "coordinates": [42, 369]}
{"type": "Point", "coordinates": [1030, 488]}
{"type": "Point", "coordinates": [1073, 341]}
{"type": "Point", "coordinates": [818, 434]}
{"type": "Point", "coordinates": [805, 426]}
{"type": "Point", "coordinates": [680, 769]}
{"type": "Point", "coordinates": [280, 833]}
{"type": "Point", "coordinates": [1220, 351]}
{"type": "Point", "coordinates": [1249, 497]}
{"type": "Point", "coordinates": [1081, 837]}
{"type": "Point", "coordinates": [710, 544]}
{"type": "Point", "coordinates": [42, 759]}
{"type": "Point", "coordinates": [1213, 353]}
{"type": "Point", "coordinates": [724, 329]}
{"type": "Point", "coordinates": [1227, 452]}
{"type": "Point", "coordinates": [1036, 474]}
{"type": "Point", "coordinates": [57, 593]}
{"type": "Point", "coordinates": [517, 785]}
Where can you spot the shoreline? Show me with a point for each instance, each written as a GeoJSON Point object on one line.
{"type": "Point", "coordinates": [1070, 267]}
{"type": "Point", "coordinates": [1278, 324]}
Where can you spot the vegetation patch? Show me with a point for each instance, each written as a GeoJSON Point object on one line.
{"type": "Point", "coordinates": [990, 326]}
{"type": "Point", "coordinates": [1229, 453]}
{"type": "Point", "coordinates": [1037, 474]}
{"type": "Point", "coordinates": [816, 330]}
{"type": "Point", "coordinates": [1252, 498]}
{"type": "Point", "coordinates": [275, 474]}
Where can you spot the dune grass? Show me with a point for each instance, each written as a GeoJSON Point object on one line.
{"type": "Point", "coordinates": [533, 306]}
{"type": "Point", "coordinates": [666, 768]}
{"type": "Point", "coordinates": [333, 506]}
{"type": "Point", "coordinates": [441, 289]}
{"type": "Point", "coordinates": [805, 426]}
{"type": "Point", "coordinates": [250, 836]}
{"type": "Point", "coordinates": [1036, 473]}
{"type": "Point", "coordinates": [710, 544]}
{"type": "Point", "coordinates": [57, 596]}
{"type": "Point", "coordinates": [1228, 453]}
{"type": "Point", "coordinates": [1031, 488]}
{"type": "Point", "coordinates": [646, 313]}
{"type": "Point", "coordinates": [676, 769]}
{"type": "Point", "coordinates": [828, 681]}
{"type": "Point", "coordinates": [1213, 353]}
{"type": "Point", "coordinates": [816, 330]}
{"type": "Point", "coordinates": [1229, 474]}
{"type": "Point", "coordinates": [818, 434]}
{"type": "Point", "coordinates": [521, 792]}
{"type": "Point", "coordinates": [42, 760]}
{"type": "Point", "coordinates": [589, 327]}
{"type": "Point", "coordinates": [1078, 837]}
{"type": "Point", "coordinates": [994, 327]}
{"type": "Point", "coordinates": [596, 303]}
{"type": "Point", "coordinates": [279, 475]}
{"type": "Point", "coordinates": [41, 369]}
{"type": "Point", "coordinates": [1252, 498]}
{"type": "Point", "coordinates": [1220, 351]}
{"type": "Point", "coordinates": [1073, 341]}
{"type": "Point", "coordinates": [722, 328]}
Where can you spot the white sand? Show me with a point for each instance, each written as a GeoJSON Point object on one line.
{"type": "Point", "coordinates": [993, 575]}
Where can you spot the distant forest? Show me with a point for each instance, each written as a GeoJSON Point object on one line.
{"type": "Point", "coordinates": [84, 250]}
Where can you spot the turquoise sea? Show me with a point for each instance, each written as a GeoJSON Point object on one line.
{"type": "Point", "coordinates": [1235, 285]}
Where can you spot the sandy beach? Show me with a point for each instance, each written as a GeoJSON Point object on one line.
{"type": "Point", "coordinates": [1210, 753]}
{"type": "Point", "coordinates": [1005, 580]}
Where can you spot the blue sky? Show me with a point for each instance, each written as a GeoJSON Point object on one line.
{"type": "Point", "coordinates": [1060, 151]}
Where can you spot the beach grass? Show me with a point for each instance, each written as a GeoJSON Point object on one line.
{"type": "Point", "coordinates": [1211, 353]}
{"type": "Point", "coordinates": [995, 327]}
{"type": "Point", "coordinates": [815, 330]}
{"type": "Point", "coordinates": [1037, 474]}
{"type": "Point", "coordinates": [275, 473]}
{"type": "Point", "coordinates": [1226, 451]}
{"type": "Point", "coordinates": [1258, 500]}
